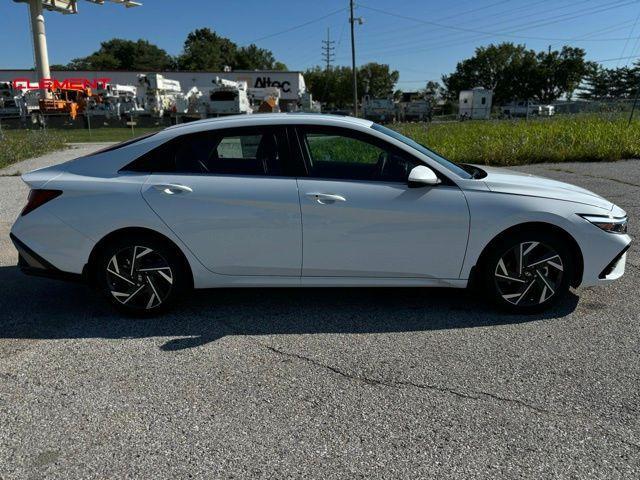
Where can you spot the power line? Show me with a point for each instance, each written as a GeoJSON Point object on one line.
{"type": "Point", "coordinates": [616, 59]}
{"type": "Point", "coordinates": [510, 34]}
{"type": "Point", "coordinates": [296, 27]}
{"type": "Point", "coordinates": [491, 16]}
{"type": "Point", "coordinates": [610, 28]}
{"type": "Point", "coordinates": [456, 15]}
{"type": "Point", "coordinates": [398, 46]}
{"type": "Point", "coordinates": [624, 49]}
{"type": "Point", "coordinates": [454, 35]}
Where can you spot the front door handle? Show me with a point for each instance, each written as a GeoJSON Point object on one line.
{"type": "Point", "coordinates": [172, 188]}
{"type": "Point", "coordinates": [326, 198]}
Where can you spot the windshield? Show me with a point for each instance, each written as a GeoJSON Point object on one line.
{"type": "Point", "coordinates": [452, 167]}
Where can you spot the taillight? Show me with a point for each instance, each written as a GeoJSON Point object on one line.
{"type": "Point", "coordinates": [38, 197]}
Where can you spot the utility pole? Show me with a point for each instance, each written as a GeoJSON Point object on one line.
{"type": "Point", "coordinates": [327, 50]}
{"type": "Point", "coordinates": [39, 41]}
{"type": "Point", "coordinates": [36, 18]}
{"type": "Point", "coordinates": [353, 61]}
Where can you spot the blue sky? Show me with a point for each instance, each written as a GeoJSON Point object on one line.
{"type": "Point", "coordinates": [421, 39]}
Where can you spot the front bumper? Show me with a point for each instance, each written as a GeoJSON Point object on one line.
{"type": "Point", "coordinates": [615, 268]}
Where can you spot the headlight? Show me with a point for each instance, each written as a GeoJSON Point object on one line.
{"type": "Point", "coordinates": [608, 224]}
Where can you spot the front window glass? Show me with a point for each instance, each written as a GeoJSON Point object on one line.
{"type": "Point", "coordinates": [452, 167]}
{"type": "Point", "coordinates": [333, 155]}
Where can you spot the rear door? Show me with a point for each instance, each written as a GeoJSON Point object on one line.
{"type": "Point", "coordinates": [229, 196]}
{"type": "Point", "coordinates": [361, 218]}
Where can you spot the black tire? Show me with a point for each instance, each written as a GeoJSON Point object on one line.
{"type": "Point", "coordinates": [542, 281]}
{"type": "Point", "coordinates": [141, 275]}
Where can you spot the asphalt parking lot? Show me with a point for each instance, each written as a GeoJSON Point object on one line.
{"type": "Point", "coordinates": [330, 383]}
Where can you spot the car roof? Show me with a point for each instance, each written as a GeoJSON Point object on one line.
{"type": "Point", "coordinates": [232, 121]}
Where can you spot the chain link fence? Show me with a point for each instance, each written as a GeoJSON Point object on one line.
{"type": "Point", "coordinates": [102, 127]}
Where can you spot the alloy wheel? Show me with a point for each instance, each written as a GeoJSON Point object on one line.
{"type": "Point", "coordinates": [529, 274]}
{"type": "Point", "coordinates": [139, 277]}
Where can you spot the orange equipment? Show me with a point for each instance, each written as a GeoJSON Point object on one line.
{"type": "Point", "coordinates": [65, 101]}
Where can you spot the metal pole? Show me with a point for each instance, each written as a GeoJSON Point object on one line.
{"type": "Point", "coordinates": [633, 107]}
{"type": "Point", "coordinates": [39, 41]}
{"type": "Point", "coordinates": [353, 62]}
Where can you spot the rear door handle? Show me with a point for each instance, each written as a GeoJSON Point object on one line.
{"type": "Point", "coordinates": [326, 198]}
{"type": "Point", "coordinates": [172, 188]}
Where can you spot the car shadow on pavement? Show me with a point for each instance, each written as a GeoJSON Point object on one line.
{"type": "Point", "coordinates": [38, 308]}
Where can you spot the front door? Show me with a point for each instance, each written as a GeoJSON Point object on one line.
{"type": "Point", "coordinates": [227, 195]}
{"type": "Point", "coordinates": [361, 219]}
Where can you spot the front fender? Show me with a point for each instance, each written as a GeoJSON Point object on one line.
{"type": "Point", "coordinates": [493, 213]}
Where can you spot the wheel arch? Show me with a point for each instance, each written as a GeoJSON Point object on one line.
{"type": "Point", "coordinates": [89, 268]}
{"type": "Point", "coordinates": [535, 227]}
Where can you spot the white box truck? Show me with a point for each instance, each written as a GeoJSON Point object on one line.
{"type": "Point", "coordinates": [475, 104]}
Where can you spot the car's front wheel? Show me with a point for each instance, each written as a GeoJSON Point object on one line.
{"type": "Point", "coordinates": [528, 272]}
{"type": "Point", "coordinates": [141, 276]}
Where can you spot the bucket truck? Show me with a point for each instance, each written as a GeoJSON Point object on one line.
{"type": "Point", "coordinates": [227, 97]}
{"type": "Point", "coordinates": [157, 95]}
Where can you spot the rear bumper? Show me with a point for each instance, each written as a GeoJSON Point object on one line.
{"type": "Point", "coordinates": [31, 263]}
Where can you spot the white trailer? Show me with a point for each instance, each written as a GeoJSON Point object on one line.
{"type": "Point", "coordinates": [475, 104]}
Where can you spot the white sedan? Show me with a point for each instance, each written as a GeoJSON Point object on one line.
{"type": "Point", "coordinates": [308, 200]}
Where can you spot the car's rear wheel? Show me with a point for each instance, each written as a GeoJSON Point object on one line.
{"type": "Point", "coordinates": [528, 272]}
{"type": "Point", "coordinates": [141, 276]}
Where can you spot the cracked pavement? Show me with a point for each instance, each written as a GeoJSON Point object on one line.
{"type": "Point", "coordinates": [322, 383]}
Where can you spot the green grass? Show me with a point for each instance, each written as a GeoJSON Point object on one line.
{"type": "Point", "coordinates": [16, 145]}
{"type": "Point", "coordinates": [106, 134]}
{"type": "Point", "coordinates": [570, 138]}
{"type": "Point", "coordinates": [576, 138]}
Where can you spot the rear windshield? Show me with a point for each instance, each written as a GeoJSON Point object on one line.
{"type": "Point", "coordinates": [452, 167]}
{"type": "Point", "coordinates": [123, 144]}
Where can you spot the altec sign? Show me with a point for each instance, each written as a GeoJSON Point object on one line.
{"type": "Point", "coordinates": [55, 84]}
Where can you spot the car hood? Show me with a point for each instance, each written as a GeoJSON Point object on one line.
{"type": "Point", "coordinates": [518, 183]}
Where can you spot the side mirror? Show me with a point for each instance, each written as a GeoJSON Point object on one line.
{"type": "Point", "coordinates": [421, 175]}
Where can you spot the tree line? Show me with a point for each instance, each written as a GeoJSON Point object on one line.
{"type": "Point", "coordinates": [512, 71]}
{"type": "Point", "coordinates": [611, 83]}
{"type": "Point", "coordinates": [203, 49]}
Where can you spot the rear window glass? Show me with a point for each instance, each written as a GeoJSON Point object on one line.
{"type": "Point", "coordinates": [252, 151]}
